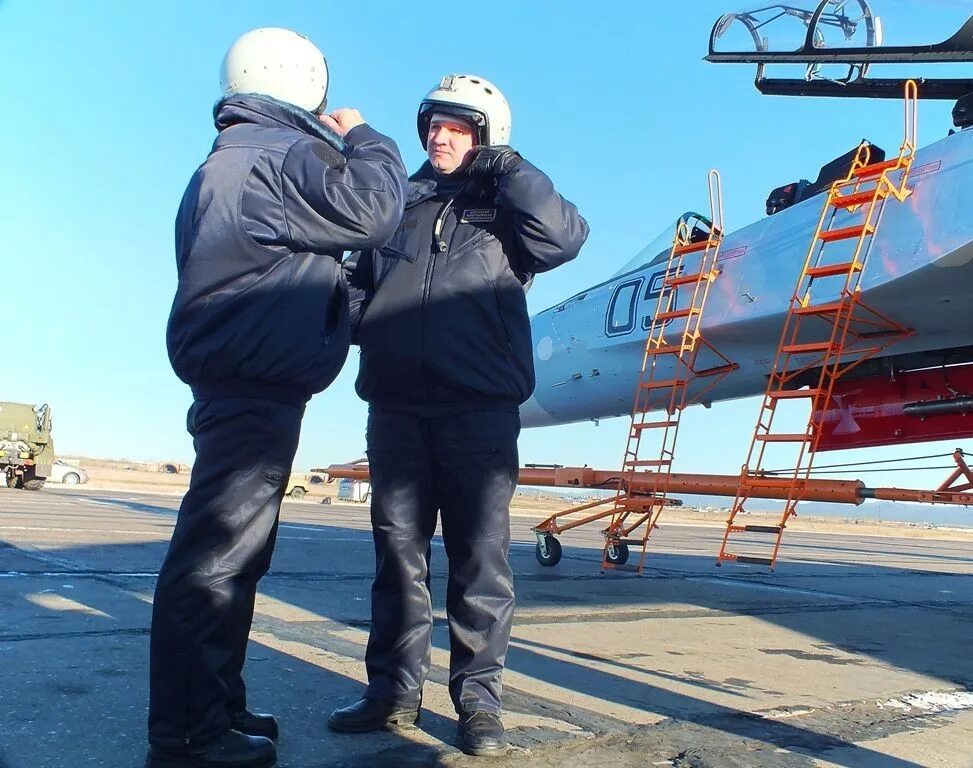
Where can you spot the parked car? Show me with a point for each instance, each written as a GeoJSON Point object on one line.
{"type": "Point", "coordinates": [67, 474]}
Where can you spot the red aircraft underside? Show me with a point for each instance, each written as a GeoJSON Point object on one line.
{"type": "Point", "coordinates": [911, 407]}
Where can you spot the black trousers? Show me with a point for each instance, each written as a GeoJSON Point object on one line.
{"type": "Point", "coordinates": [465, 467]}
{"type": "Point", "coordinates": [220, 549]}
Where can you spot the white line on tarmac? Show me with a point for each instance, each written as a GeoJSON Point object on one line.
{"type": "Point", "coordinates": [75, 530]}
{"type": "Point", "coordinates": [437, 542]}
{"type": "Point", "coordinates": [321, 537]}
{"type": "Point", "coordinates": [75, 574]}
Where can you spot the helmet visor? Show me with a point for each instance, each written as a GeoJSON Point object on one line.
{"type": "Point", "coordinates": [481, 125]}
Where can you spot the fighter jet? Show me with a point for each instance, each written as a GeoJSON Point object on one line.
{"type": "Point", "coordinates": [588, 349]}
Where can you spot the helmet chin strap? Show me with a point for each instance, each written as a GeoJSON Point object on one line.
{"type": "Point", "coordinates": [319, 110]}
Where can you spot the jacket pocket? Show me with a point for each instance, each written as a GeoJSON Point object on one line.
{"type": "Point", "coordinates": [503, 323]}
{"type": "Point", "coordinates": [469, 245]}
{"type": "Point", "coordinates": [388, 252]}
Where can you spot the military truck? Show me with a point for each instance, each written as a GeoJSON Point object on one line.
{"type": "Point", "coordinates": [300, 484]}
{"type": "Point", "coordinates": [26, 445]}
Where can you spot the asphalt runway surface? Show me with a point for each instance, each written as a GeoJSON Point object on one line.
{"type": "Point", "coordinates": [855, 652]}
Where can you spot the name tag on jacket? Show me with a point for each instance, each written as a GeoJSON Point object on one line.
{"type": "Point", "coordinates": [478, 215]}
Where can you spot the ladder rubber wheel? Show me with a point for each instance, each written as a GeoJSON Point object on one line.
{"type": "Point", "coordinates": [553, 552]}
{"type": "Point", "coordinates": [617, 554]}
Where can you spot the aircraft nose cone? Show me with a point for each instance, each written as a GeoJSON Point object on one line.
{"type": "Point", "coordinates": [533, 415]}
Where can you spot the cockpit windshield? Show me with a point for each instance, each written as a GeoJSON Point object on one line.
{"type": "Point", "coordinates": [658, 250]}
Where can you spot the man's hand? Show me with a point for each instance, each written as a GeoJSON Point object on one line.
{"type": "Point", "coordinates": [342, 120]}
{"type": "Point", "coordinates": [494, 161]}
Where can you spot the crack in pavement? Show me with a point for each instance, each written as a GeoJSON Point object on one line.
{"type": "Point", "coordinates": [731, 740]}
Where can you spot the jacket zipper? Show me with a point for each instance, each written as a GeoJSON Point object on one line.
{"type": "Point", "coordinates": [437, 246]}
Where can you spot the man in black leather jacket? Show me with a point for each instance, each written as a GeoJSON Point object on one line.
{"type": "Point", "coordinates": [259, 324]}
{"type": "Point", "coordinates": [440, 315]}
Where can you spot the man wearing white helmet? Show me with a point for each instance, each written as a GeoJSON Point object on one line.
{"type": "Point", "coordinates": [440, 314]}
{"type": "Point", "coordinates": [259, 324]}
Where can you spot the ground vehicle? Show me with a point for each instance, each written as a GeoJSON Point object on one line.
{"type": "Point", "coordinates": [354, 490]}
{"type": "Point", "coordinates": [26, 445]}
{"type": "Point", "coordinates": [68, 474]}
{"type": "Point", "coordinates": [299, 484]}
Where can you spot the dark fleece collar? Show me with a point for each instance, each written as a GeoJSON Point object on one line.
{"type": "Point", "coordinates": [427, 183]}
{"type": "Point", "coordinates": [264, 110]}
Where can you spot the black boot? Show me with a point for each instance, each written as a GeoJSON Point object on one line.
{"type": "Point", "coordinates": [371, 715]}
{"type": "Point", "coordinates": [481, 734]}
{"type": "Point", "coordinates": [254, 724]}
{"type": "Point", "coordinates": [232, 750]}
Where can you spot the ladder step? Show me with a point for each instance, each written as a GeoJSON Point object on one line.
{"type": "Point", "coordinates": [859, 198]}
{"type": "Point", "coordinates": [833, 270]}
{"type": "Point", "coordinates": [648, 462]}
{"type": "Point", "coordinates": [748, 560]}
{"type": "Point", "coordinates": [830, 308]}
{"type": "Point", "coordinates": [654, 425]}
{"type": "Point", "coordinates": [626, 567]}
{"type": "Point", "coordinates": [702, 245]}
{"type": "Point", "coordinates": [800, 349]}
{"type": "Point", "coordinates": [846, 233]}
{"type": "Point", "coordinates": [695, 277]}
{"type": "Point", "coordinates": [670, 349]}
{"type": "Point", "coordinates": [677, 313]}
{"type": "Point", "coordinates": [875, 169]}
{"type": "Point", "coordinates": [665, 384]}
{"type": "Point", "coordinates": [782, 438]}
{"type": "Point", "coordinates": [762, 528]}
{"type": "Point", "coordinates": [793, 394]}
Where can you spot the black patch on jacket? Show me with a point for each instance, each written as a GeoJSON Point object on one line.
{"type": "Point", "coordinates": [329, 154]}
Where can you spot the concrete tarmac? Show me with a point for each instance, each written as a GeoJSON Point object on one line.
{"type": "Point", "coordinates": [855, 653]}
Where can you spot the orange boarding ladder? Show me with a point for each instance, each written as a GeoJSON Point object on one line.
{"type": "Point", "coordinates": [827, 332]}
{"type": "Point", "coordinates": [676, 354]}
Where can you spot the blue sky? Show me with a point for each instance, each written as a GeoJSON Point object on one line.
{"type": "Point", "coordinates": [107, 112]}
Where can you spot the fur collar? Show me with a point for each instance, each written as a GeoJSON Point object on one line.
{"type": "Point", "coordinates": [263, 110]}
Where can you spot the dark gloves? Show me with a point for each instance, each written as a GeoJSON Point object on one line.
{"type": "Point", "coordinates": [494, 161]}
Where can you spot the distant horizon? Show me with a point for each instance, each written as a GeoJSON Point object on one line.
{"type": "Point", "coordinates": [870, 510]}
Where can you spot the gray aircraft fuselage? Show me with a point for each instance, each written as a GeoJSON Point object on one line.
{"type": "Point", "coordinates": [588, 349]}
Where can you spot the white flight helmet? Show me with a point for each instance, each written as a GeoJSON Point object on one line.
{"type": "Point", "coordinates": [472, 98]}
{"type": "Point", "coordinates": [278, 63]}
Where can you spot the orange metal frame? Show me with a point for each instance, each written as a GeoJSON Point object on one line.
{"type": "Point", "coordinates": [857, 333]}
{"type": "Point", "coordinates": [640, 497]}
{"type": "Point", "coordinates": [814, 489]}
{"type": "Point", "coordinates": [630, 510]}
{"type": "Point", "coordinates": [962, 471]}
